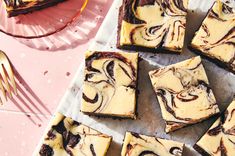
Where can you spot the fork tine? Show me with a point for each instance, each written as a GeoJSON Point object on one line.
{"type": "Point", "coordinates": [3, 91]}
{"type": "Point", "coordinates": [8, 69]}
{"type": "Point", "coordinates": [10, 74]}
{"type": "Point", "coordinates": [7, 86]}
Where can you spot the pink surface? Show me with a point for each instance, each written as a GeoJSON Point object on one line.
{"type": "Point", "coordinates": [43, 78]}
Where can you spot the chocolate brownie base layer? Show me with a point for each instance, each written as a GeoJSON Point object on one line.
{"type": "Point", "coordinates": [41, 6]}
{"type": "Point", "coordinates": [201, 150]}
{"type": "Point", "coordinates": [145, 49]}
{"type": "Point", "coordinates": [109, 116]}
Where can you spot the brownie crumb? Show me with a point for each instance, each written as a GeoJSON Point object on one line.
{"type": "Point", "coordinates": [140, 59]}
{"type": "Point", "coordinates": [68, 74]}
{"type": "Point", "coordinates": [46, 150]}
{"type": "Point", "coordinates": [45, 72]}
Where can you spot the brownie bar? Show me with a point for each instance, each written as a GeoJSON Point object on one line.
{"type": "Point", "coordinates": [137, 144]}
{"type": "Point", "coordinates": [220, 138]}
{"type": "Point", "coordinates": [66, 137]}
{"type": "Point", "coordinates": [160, 26]}
{"type": "Point", "coordinates": [183, 93]}
{"type": "Point", "coordinates": [17, 7]}
{"type": "Point", "coordinates": [110, 84]}
{"type": "Point", "coordinates": [215, 37]}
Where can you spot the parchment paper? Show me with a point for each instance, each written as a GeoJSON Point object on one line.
{"type": "Point", "coordinates": [149, 119]}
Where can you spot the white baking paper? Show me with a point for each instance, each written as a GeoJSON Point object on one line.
{"type": "Point", "coordinates": [149, 119]}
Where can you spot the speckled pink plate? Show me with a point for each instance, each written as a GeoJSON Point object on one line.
{"type": "Point", "coordinates": [52, 28]}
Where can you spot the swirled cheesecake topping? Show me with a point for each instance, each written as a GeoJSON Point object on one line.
{"type": "Point", "coordinates": [67, 137]}
{"type": "Point", "coordinates": [142, 145]}
{"type": "Point", "coordinates": [216, 36]}
{"type": "Point", "coordinates": [153, 23]}
{"type": "Point", "coordinates": [110, 84]}
{"type": "Point", "coordinates": [220, 138]}
{"type": "Point", "coordinates": [183, 93]}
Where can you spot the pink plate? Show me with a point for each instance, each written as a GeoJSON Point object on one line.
{"type": "Point", "coordinates": [59, 26]}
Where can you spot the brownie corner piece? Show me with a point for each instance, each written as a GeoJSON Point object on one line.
{"type": "Point", "coordinates": [138, 144]}
{"type": "Point", "coordinates": [184, 94]}
{"type": "Point", "coordinates": [17, 7]}
{"type": "Point", "coordinates": [110, 84]}
{"type": "Point", "coordinates": [220, 138]}
{"type": "Point", "coordinates": [215, 37]}
{"type": "Point", "coordinates": [152, 25]}
{"type": "Point", "coordinates": [66, 137]}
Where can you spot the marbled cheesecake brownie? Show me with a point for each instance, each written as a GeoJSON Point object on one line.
{"type": "Point", "coordinates": [219, 140]}
{"type": "Point", "coordinates": [16, 7]}
{"type": "Point", "coordinates": [110, 84]}
{"type": "Point", "coordinates": [141, 145]}
{"type": "Point", "coordinates": [152, 25]}
{"type": "Point", "coordinates": [216, 36]}
{"type": "Point", "coordinates": [183, 93]}
{"type": "Point", "coordinates": [68, 137]}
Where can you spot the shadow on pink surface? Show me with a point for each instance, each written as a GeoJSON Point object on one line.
{"type": "Point", "coordinates": [56, 28]}
{"type": "Point", "coordinates": [28, 102]}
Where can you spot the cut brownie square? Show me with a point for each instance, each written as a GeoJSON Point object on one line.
{"type": "Point", "coordinates": [17, 7]}
{"type": "Point", "coordinates": [68, 137]}
{"type": "Point", "coordinates": [183, 93]}
{"type": "Point", "coordinates": [140, 145]}
{"type": "Point", "coordinates": [110, 82]}
{"type": "Point", "coordinates": [219, 140]}
{"type": "Point", "coordinates": [215, 38]}
{"type": "Point", "coordinates": [152, 25]}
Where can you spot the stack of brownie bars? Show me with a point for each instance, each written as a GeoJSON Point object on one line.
{"type": "Point", "coordinates": [182, 89]}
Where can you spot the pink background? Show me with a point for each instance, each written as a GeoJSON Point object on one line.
{"type": "Point", "coordinates": [45, 75]}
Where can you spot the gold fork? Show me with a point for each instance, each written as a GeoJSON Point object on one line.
{"type": "Point", "coordinates": [7, 79]}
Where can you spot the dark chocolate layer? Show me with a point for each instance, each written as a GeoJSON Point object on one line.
{"type": "Point", "coordinates": [201, 150]}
